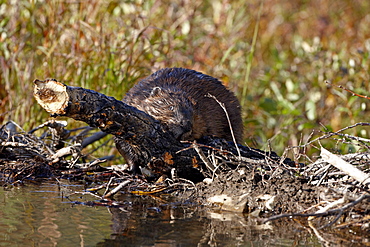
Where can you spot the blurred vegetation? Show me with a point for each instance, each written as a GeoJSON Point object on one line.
{"type": "Point", "coordinates": [275, 56]}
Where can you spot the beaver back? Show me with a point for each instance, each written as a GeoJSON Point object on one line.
{"type": "Point", "coordinates": [179, 98]}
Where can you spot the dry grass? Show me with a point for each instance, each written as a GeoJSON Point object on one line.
{"type": "Point", "coordinates": [108, 45]}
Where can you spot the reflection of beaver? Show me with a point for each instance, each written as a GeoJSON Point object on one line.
{"type": "Point", "coordinates": [177, 97]}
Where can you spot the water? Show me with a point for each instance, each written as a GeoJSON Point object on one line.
{"type": "Point", "coordinates": [38, 215]}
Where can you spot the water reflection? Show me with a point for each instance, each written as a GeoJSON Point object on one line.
{"type": "Point", "coordinates": [35, 215]}
{"type": "Point", "coordinates": [39, 216]}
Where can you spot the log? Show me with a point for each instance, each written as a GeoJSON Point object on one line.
{"type": "Point", "coordinates": [142, 140]}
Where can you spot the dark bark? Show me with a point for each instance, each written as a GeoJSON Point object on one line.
{"type": "Point", "coordinates": [140, 138]}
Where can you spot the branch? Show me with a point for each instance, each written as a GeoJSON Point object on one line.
{"type": "Point", "coordinates": [140, 138]}
{"type": "Point", "coordinates": [364, 196]}
{"type": "Point", "coordinates": [345, 167]}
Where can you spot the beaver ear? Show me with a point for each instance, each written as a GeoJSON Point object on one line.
{"type": "Point", "coordinates": [156, 91]}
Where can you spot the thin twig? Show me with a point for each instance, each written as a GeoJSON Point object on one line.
{"type": "Point", "coordinates": [327, 213]}
{"type": "Point", "coordinates": [107, 187]}
{"type": "Point", "coordinates": [350, 91]}
{"type": "Point", "coordinates": [330, 134]}
{"type": "Point", "coordinates": [118, 188]}
{"type": "Point", "coordinates": [228, 120]}
{"type": "Point", "coordinates": [203, 157]}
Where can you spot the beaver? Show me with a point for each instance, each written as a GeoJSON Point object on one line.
{"type": "Point", "coordinates": [179, 99]}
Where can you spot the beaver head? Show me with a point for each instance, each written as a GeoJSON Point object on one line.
{"type": "Point", "coordinates": [172, 108]}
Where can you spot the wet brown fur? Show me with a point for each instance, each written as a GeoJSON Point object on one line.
{"type": "Point", "coordinates": [177, 97]}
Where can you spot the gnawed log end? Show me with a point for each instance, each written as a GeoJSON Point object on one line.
{"type": "Point", "coordinates": [51, 95]}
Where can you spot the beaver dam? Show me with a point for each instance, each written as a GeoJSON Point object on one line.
{"type": "Point", "coordinates": [328, 194]}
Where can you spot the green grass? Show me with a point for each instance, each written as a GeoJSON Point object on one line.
{"type": "Point", "coordinates": [278, 72]}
